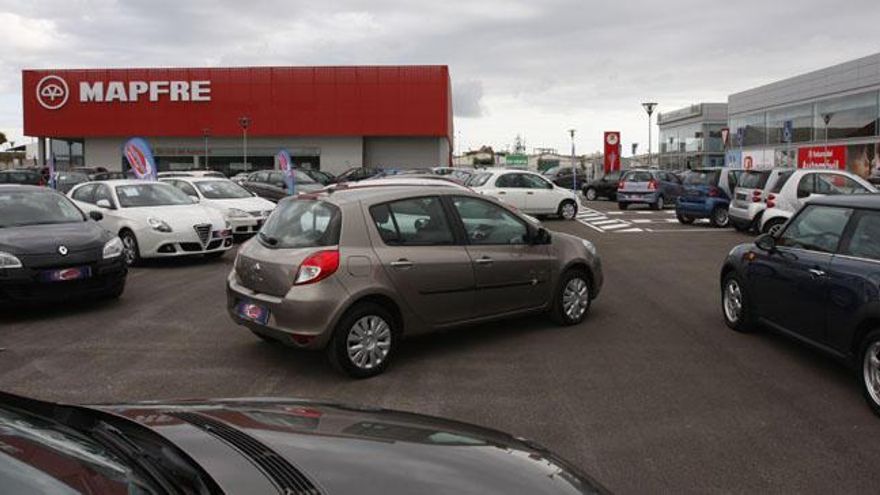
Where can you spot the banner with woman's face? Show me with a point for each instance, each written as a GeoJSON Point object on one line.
{"type": "Point", "coordinates": [864, 160]}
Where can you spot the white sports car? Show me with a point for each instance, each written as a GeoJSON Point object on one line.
{"type": "Point", "coordinates": [155, 220]}
{"type": "Point", "coordinates": [244, 211]}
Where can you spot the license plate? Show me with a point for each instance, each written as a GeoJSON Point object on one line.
{"type": "Point", "coordinates": [252, 312]}
{"type": "Point", "coordinates": [66, 274]}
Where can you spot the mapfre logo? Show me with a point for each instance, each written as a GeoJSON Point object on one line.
{"type": "Point", "coordinates": [52, 92]}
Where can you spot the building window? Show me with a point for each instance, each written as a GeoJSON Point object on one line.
{"type": "Point", "coordinates": [849, 117]}
{"type": "Point", "coordinates": [801, 118]}
{"type": "Point", "coordinates": [755, 132]}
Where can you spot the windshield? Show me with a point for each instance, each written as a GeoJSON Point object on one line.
{"type": "Point", "coordinates": [754, 180]}
{"type": "Point", "coordinates": [781, 180]}
{"type": "Point", "coordinates": [477, 180]}
{"type": "Point", "coordinates": [150, 194]}
{"type": "Point", "coordinates": [638, 177]}
{"type": "Point", "coordinates": [222, 189]}
{"type": "Point", "coordinates": [302, 223]}
{"type": "Point", "coordinates": [19, 208]}
{"type": "Point", "coordinates": [701, 178]}
{"type": "Point", "coordinates": [71, 177]}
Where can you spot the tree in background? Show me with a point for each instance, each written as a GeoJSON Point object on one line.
{"type": "Point", "coordinates": [2, 139]}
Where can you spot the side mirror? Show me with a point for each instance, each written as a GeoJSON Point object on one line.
{"type": "Point", "coordinates": [194, 199]}
{"type": "Point", "coordinates": [540, 236]}
{"type": "Point", "coordinates": [766, 242]}
{"type": "Point", "coordinates": [104, 203]}
{"type": "Point", "coordinates": [255, 194]}
{"type": "Point", "coordinates": [96, 215]}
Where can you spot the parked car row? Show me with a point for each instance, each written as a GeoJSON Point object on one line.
{"type": "Point", "coordinates": [529, 192]}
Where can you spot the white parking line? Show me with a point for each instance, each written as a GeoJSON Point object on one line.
{"type": "Point", "coordinates": [616, 226]}
{"type": "Point", "coordinates": [642, 220]}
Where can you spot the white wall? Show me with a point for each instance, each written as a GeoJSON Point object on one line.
{"type": "Point", "coordinates": [406, 152]}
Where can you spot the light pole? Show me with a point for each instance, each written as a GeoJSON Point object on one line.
{"type": "Point", "coordinates": [244, 122]}
{"type": "Point", "coordinates": [649, 107]}
{"type": "Point", "coordinates": [206, 132]}
{"type": "Point", "coordinates": [574, 174]}
{"type": "Point", "coordinates": [826, 117]}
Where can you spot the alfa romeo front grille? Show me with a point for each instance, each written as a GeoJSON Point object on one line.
{"type": "Point", "coordinates": [287, 477]}
{"type": "Point", "coordinates": [203, 230]}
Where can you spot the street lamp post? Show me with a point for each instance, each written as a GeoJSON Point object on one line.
{"type": "Point", "coordinates": [649, 107]}
{"type": "Point", "coordinates": [826, 117]}
{"type": "Point", "coordinates": [206, 132]}
{"type": "Point", "coordinates": [244, 122]}
{"type": "Point", "coordinates": [574, 175]}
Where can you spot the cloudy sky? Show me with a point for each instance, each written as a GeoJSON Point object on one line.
{"type": "Point", "coordinates": [536, 67]}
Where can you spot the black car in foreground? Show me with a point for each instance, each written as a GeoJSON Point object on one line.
{"type": "Point", "coordinates": [816, 281]}
{"type": "Point", "coordinates": [51, 251]}
{"type": "Point", "coordinates": [264, 446]}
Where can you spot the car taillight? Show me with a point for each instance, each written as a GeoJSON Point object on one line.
{"type": "Point", "coordinates": [317, 267]}
{"type": "Point", "coordinates": [756, 196]}
{"type": "Point", "coordinates": [714, 192]}
{"type": "Point", "coordinates": [771, 201]}
{"type": "Point", "coordinates": [652, 185]}
{"type": "Point", "coordinates": [620, 184]}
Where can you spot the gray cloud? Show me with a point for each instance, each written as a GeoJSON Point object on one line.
{"type": "Point", "coordinates": [535, 68]}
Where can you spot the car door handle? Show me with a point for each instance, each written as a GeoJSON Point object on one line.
{"type": "Point", "coordinates": [816, 273]}
{"type": "Point", "coordinates": [501, 192]}
{"type": "Point", "coordinates": [402, 263]}
{"type": "Point", "coordinates": [485, 260]}
{"type": "Point", "coordinates": [530, 193]}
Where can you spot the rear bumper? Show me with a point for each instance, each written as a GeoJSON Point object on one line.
{"type": "Point", "coordinates": [23, 285]}
{"type": "Point", "coordinates": [637, 197]}
{"type": "Point", "coordinates": [745, 216]}
{"type": "Point", "coordinates": [698, 209]}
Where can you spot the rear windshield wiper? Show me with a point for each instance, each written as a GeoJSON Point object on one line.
{"type": "Point", "coordinates": [269, 240]}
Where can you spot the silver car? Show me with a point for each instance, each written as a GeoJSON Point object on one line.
{"type": "Point", "coordinates": [354, 270]}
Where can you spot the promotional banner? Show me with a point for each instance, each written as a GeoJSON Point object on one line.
{"type": "Point", "coordinates": [612, 151]}
{"type": "Point", "coordinates": [822, 157]}
{"type": "Point", "coordinates": [284, 163]}
{"type": "Point", "coordinates": [759, 159]}
{"type": "Point", "coordinates": [864, 160]}
{"type": "Point", "coordinates": [733, 158]}
{"type": "Point", "coordinates": [725, 137]}
{"type": "Point", "coordinates": [140, 158]}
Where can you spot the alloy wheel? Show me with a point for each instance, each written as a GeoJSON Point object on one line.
{"type": "Point", "coordinates": [575, 298]}
{"type": "Point", "coordinates": [722, 217]}
{"type": "Point", "coordinates": [591, 194]}
{"type": "Point", "coordinates": [368, 342]}
{"type": "Point", "coordinates": [569, 210]}
{"type": "Point", "coordinates": [871, 371]}
{"type": "Point", "coordinates": [733, 301]}
{"type": "Point", "coordinates": [129, 248]}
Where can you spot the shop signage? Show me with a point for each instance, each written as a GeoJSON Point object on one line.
{"type": "Point", "coordinates": [822, 157]}
{"type": "Point", "coordinates": [121, 91]}
{"type": "Point", "coordinates": [517, 160]}
{"type": "Point", "coordinates": [612, 151]}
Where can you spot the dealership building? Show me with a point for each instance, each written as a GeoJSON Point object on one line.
{"type": "Point", "coordinates": [237, 119]}
{"type": "Point", "coordinates": [691, 137]}
{"type": "Point", "coordinates": [826, 118]}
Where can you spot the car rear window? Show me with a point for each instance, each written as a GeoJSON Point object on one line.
{"type": "Point", "coordinates": [301, 223]}
{"type": "Point", "coordinates": [781, 180]}
{"type": "Point", "coordinates": [754, 180]}
{"type": "Point", "coordinates": [702, 178]}
{"type": "Point", "coordinates": [638, 177]}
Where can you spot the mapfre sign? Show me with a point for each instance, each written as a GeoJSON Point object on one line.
{"type": "Point", "coordinates": [278, 101]}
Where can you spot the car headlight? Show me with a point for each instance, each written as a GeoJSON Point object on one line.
{"type": "Point", "coordinates": [267, 213]}
{"type": "Point", "coordinates": [590, 247]}
{"type": "Point", "coordinates": [159, 225]}
{"type": "Point", "coordinates": [8, 260]}
{"type": "Point", "coordinates": [236, 213]}
{"type": "Point", "coordinates": [113, 248]}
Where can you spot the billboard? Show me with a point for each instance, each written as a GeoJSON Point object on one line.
{"type": "Point", "coordinates": [864, 160]}
{"type": "Point", "coordinates": [822, 157]}
{"type": "Point", "coordinates": [182, 102]}
{"type": "Point", "coordinates": [733, 158]}
{"type": "Point", "coordinates": [612, 151]}
{"type": "Point", "coordinates": [758, 159]}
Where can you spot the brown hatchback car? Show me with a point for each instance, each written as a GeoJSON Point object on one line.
{"type": "Point", "coordinates": [354, 270]}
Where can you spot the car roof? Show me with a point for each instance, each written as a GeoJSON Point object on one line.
{"type": "Point", "coordinates": [194, 179]}
{"type": "Point", "coordinates": [122, 182]}
{"type": "Point", "coordinates": [24, 187]}
{"type": "Point", "coordinates": [381, 193]}
{"type": "Point", "coordinates": [868, 201]}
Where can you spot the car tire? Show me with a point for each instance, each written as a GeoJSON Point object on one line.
{"type": "Point", "coordinates": [684, 219]}
{"type": "Point", "coordinates": [738, 315]}
{"type": "Point", "coordinates": [366, 319]}
{"type": "Point", "coordinates": [572, 300]}
{"type": "Point", "coordinates": [622, 206]}
{"type": "Point", "coordinates": [266, 338]}
{"type": "Point", "coordinates": [567, 210]}
{"type": "Point", "coordinates": [659, 204]}
{"type": "Point", "coordinates": [130, 249]}
{"type": "Point", "coordinates": [590, 194]}
{"type": "Point", "coordinates": [772, 226]}
{"type": "Point", "coordinates": [116, 291]}
{"type": "Point", "coordinates": [720, 217]}
{"type": "Point", "coordinates": [869, 370]}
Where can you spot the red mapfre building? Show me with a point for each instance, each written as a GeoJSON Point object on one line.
{"type": "Point", "coordinates": [331, 118]}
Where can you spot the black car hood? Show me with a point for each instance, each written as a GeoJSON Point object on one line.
{"type": "Point", "coordinates": [45, 239]}
{"type": "Point", "coordinates": [344, 449]}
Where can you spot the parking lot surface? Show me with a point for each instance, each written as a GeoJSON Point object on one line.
{"type": "Point", "coordinates": [651, 394]}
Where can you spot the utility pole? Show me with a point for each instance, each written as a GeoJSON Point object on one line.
{"type": "Point", "coordinates": [649, 108]}
{"type": "Point", "coordinates": [826, 117]}
{"type": "Point", "coordinates": [244, 122]}
{"type": "Point", "coordinates": [206, 132]}
{"type": "Point", "coordinates": [574, 174]}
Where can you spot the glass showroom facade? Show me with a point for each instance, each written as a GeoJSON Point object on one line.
{"type": "Point", "coordinates": [691, 137]}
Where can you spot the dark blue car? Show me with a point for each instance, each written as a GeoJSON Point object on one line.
{"type": "Point", "coordinates": [704, 196]}
{"type": "Point", "coordinates": [817, 281]}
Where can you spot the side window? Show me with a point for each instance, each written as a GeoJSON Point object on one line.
{"type": "Point", "coordinates": [488, 223]}
{"type": "Point", "coordinates": [262, 177]}
{"type": "Point", "coordinates": [816, 228]}
{"type": "Point", "coordinates": [534, 182]}
{"type": "Point", "coordinates": [806, 186]}
{"type": "Point", "coordinates": [276, 179]}
{"type": "Point", "coordinates": [103, 192]}
{"type": "Point", "coordinates": [865, 240]}
{"type": "Point", "coordinates": [413, 222]}
{"type": "Point", "coordinates": [508, 180]}
{"type": "Point", "coordinates": [86, 194]}
{"type": "Point", "coordinates": [838, 184]}
{"type": "Point", "coordinates": [187, 188]}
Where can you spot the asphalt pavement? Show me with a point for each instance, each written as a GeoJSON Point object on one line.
{"type": "Point", "coordinates": [651, 394]}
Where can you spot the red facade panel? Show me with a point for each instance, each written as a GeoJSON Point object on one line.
{"type": "Point", "coordinates": [280, 101]}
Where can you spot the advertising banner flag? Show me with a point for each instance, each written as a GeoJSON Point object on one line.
{"type": "Point", "coordinates": [140, 158]}
{"type": "Point", "coordinates": [285, 164]}
{"type": "Point", "coordinates": [612, 151]}
{"type": "Point", "coordinates": [725, 137]}
{"type": "Point", "coordinates": [822, 157]}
